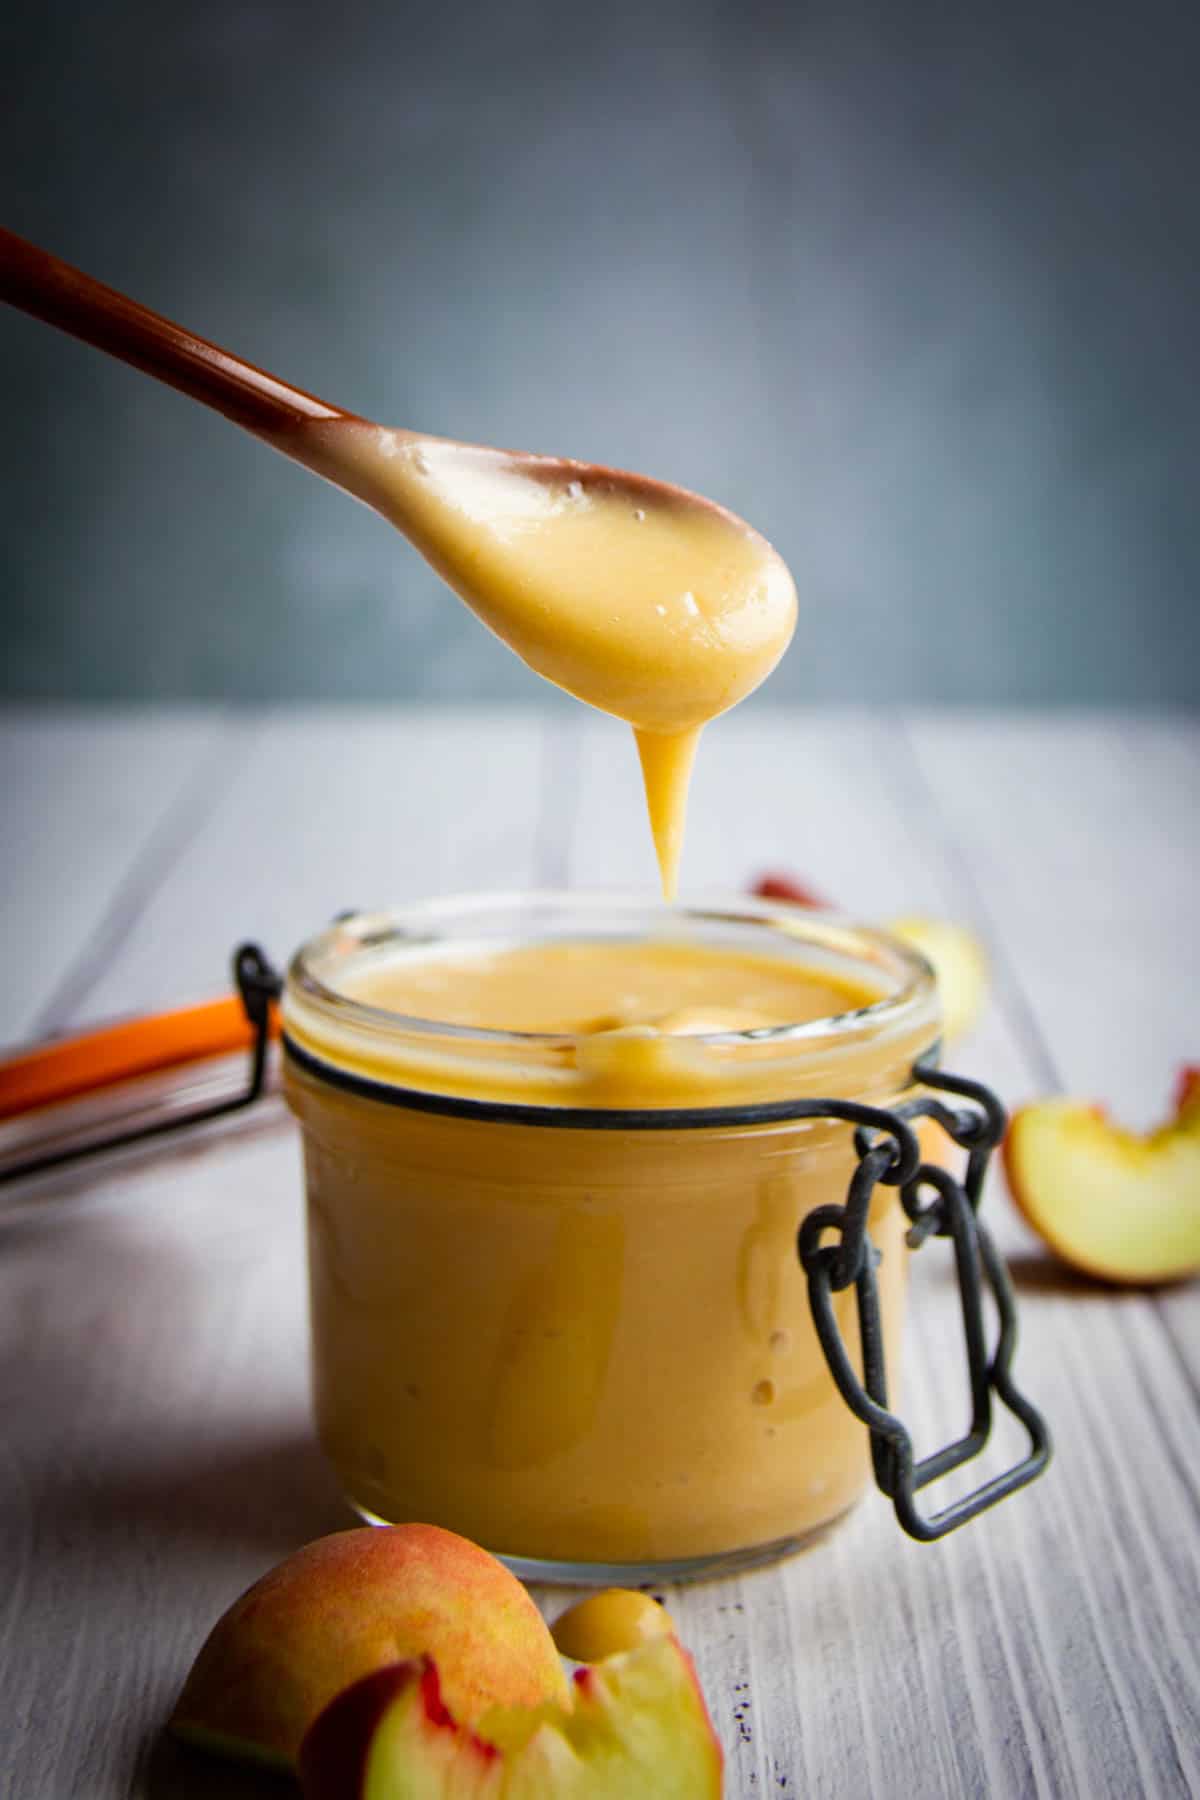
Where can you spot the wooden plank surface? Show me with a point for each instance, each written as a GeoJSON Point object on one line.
{"type": "Point", "coordinates": [333, 809]}
{"type": "Point", "coordinates": [153, 1385]}
{"type": "Point", "coordinates": [1082, 846]}
{"type": "Point", "coordinates": [95, 809]}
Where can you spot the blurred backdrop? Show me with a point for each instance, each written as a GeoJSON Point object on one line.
{"type": "Point", "coordinates": [913, 287]}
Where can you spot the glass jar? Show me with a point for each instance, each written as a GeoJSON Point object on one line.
{"type": "Point", "coordinates": [556, 1299]}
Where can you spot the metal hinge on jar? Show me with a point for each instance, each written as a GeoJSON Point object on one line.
{"type": "Point", "coordinates": [889, 1153]}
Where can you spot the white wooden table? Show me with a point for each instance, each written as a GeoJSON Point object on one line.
{"type": "Point", "coordinates": [155, 1449]}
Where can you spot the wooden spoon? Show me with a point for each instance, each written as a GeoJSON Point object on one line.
{"type": "Point", "coordinates": [646, 600]}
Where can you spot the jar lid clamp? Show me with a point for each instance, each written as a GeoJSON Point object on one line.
{"type": "Point", "coordinates": [888, 1152]}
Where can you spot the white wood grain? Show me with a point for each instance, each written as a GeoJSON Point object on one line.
{"type": "Point", "coordinates": [156, 1448]}
{"type": "Point", "coordinates": [1082, 840]}
{"type": "Point", "coordinates": [335, 808]}
{"type": "Point", "coordinates": [91, 805]}
{"type": "Point", "coordinates": [154, 1440]}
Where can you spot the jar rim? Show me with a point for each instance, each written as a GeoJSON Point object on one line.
{"type": "Point", "coordinates": [869, 946]}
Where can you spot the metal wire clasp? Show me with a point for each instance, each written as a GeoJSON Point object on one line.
{"type": "Point", "coordinates": [889, 1152]}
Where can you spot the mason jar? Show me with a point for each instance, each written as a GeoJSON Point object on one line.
{"type": "Point", "coordinates": [556, 1299]}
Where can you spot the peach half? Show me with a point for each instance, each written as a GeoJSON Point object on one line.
{"type": "Point", "coordinates": [353, 1603]}
{"type": "Point", "coordinates": [1114, 1203]}
{"type": "Point", "coordinates": [634, 1728]}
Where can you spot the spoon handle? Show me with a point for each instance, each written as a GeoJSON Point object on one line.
{"type": "Point", "coordinates": [39, 283]}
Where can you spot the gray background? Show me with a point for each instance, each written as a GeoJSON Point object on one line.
{"type": "Point", "coordinates": [914, 288]}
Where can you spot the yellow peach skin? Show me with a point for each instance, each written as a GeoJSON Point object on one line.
{"type": "Point", "coordinates": [350, 1604]}
{"type": "Point", "coordinates": [610, 1622]}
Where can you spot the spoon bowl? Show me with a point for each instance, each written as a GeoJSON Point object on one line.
{"type": "Point", "coordinates": [635, 595]}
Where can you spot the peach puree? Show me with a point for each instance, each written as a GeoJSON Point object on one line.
{"type": "Point", "coordinates": [584, 988]}
{"type": "Point", "coordinates": [642, 600]}
{"type": "Point", "coordinates": [583, 1344]}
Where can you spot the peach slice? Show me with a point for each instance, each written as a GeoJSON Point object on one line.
{"type": "Point", "coordinates": [959, 963]}
{"type": "Point", "coordinates": [634, 1728]}
{"type": "Point", "coordinates": [607, 1623]}
{"type": "Point", "coordinates": [1114, 1203]}
{"type": "Point", "coordinates": [778, 886]}
{"type": "Point", "coordinates": [352, 1603]}
{"type": "Point", "coordinates": [1187, 1090]}
{"type": "Point", "coordinates": [957, 956]}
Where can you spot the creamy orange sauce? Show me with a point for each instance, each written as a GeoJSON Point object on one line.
{"type": "Point", "coordinates": [585, 987]}
{"type": "Point", "coordinates": [646, 602]}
